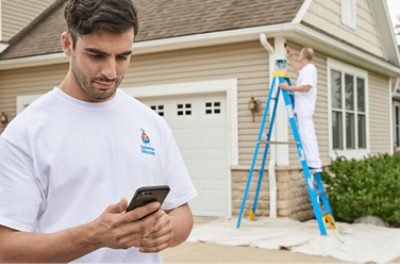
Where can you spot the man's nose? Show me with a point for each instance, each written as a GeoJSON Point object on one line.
{"type": "Point", "coordinates": [109, 69]}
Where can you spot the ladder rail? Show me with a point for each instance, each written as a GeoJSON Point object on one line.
{"type": "Point", "coordinates": [257, 148]}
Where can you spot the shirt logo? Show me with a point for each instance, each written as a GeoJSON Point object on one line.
{"type": "Point", "coordinates": [146, 146]}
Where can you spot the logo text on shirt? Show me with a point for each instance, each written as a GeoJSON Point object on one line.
{"type": "Point", "coordinates": [146, 146]}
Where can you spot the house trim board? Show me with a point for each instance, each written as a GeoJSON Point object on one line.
{"type": "Point", "coordinates": [302, 12]}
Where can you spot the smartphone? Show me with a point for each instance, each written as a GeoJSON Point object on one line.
{"type": "Point", "coordinates": [148, 194]}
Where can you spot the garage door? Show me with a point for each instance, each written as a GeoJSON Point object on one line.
{"type": "Point", "coordinates": [199, 124]}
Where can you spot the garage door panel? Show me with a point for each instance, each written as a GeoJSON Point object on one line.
{"type": "Point", "coordinates": [207, 138]}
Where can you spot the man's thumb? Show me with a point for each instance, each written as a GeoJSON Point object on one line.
{"type": "Point", "coordinates": [118, 207]}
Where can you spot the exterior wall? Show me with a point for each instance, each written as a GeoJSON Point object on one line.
{"type": "Point", "coordinates": [248, 63]}
{"type": "Point", "coordinates": [379, 114]}
{"type": "Point", "coordinates": [326, 15]}
{"type": "Point", "coordinates": [16, 14]}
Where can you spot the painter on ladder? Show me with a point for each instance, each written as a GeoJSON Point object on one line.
{"type": "Point", "coordinates": [305, 94]}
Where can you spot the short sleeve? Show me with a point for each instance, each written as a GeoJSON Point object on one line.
{"type": "Point", "coordinates": [176, 175]}
{"type": "Point", "coordinates": [20, 195]}
{"type": "Point", "coordinates": [309, 77]}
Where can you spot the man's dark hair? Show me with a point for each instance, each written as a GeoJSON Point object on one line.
{"type": "Point", "coordinates": [84, 17]}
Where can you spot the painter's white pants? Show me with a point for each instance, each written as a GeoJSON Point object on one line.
{"type": "Point", "coordinates": [309, 140]}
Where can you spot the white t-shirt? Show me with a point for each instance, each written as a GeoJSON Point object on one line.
{"type": "Point", "coordinates": [63, 161]}
{"type": "Point", "coordinates": [305, 101]}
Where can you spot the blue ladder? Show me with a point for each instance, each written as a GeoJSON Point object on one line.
{"type": "Point", "coordinates": [319, 198]}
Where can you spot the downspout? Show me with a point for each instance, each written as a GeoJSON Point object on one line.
{"type": "Point", "coordinates": [272, 162]}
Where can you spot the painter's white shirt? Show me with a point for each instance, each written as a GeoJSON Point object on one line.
{"type": "Point", "coordinates": [305, 101]}
{"type": "Point", "coordinates": [63, 161]}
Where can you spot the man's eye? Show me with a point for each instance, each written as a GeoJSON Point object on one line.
{"type": "Point", "coordinates": [122, 57]}
{"type": "Point", "coordinates": [97, 56]}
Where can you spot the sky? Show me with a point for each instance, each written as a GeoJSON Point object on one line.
{"type": "Point", "coordinates": [394, 10]}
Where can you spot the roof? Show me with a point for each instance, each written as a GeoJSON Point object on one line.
{"type": "Point", "coordinates": [159, 19]}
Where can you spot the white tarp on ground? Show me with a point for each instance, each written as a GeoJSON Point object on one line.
{"type": "Point", "coordinates": [349, 242]}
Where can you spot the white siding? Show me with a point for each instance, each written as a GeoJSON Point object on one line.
{"type": "Point", "coordinates": [379, 114]}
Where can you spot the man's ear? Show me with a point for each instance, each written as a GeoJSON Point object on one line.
{"type": "Point", "coordinates": [67, 43]}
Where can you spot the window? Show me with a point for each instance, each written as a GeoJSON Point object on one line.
{"type": "Point", "coordinates": [184, 109]}
{"type": "Point", "coordinates": [397, 125]}
{"type": "Point", "coordinates": [349, 13]}
{"type": "Point", "coordinates": [213, 108]}
{"type": "Point", "coordinates": [348, 106]}
{"type": "Point", "coordinates": [159, 109]}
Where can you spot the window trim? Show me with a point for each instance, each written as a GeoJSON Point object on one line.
{"type": "Point", "coordinates": [395, 104]}
{"type": "Point", "coordinates": [352, 22]}
{"type": "Point", "coordinates": [356, 72]}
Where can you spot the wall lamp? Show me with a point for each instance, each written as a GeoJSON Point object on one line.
{"type": "Point", "coordinates": [3, 118]}
{"type": "Point", "coordinates": [254, 107]}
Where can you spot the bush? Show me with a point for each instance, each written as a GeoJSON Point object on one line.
{"type": "Point", "coordinates": [364, 187]}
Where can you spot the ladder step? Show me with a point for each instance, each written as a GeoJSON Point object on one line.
{"type": "Point", "coordinates": [279, 142]}
{"type": "Point", "coordinates": [320, 192]}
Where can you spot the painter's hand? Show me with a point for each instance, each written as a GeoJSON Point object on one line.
{"type": "Point", "coordinates": [161, 238]}
{"type": "Point", "coordinates": [284, 86]}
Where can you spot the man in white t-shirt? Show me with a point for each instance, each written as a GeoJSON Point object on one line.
{"type": "Point", "coordinates": [67, 160]}
{"type": "Point", "coordinates": [305, 96]}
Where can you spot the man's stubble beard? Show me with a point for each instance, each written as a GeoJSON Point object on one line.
{"type": "Point", "coordinates": [85, 85]}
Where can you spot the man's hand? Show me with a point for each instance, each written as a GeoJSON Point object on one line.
{"type": "Point", "coordinates": [161, 238]}
{"type": "Point", "coordinates": [284, 86]}
{"type": "Point", "coordinates": [119, 230]}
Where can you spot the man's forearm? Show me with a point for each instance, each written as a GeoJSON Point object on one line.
{"type": "Point", "coordinates": [62, 246]}
{"type": "Point", "coordinates": [182, 221]}
{"type": "Point", "coordinates": [302, 88]}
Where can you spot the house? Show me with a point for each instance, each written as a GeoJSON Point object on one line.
{"type": "Point", "coordinates": [198, 63]}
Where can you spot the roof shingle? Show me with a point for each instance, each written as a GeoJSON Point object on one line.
{"type": "Point", "coordinates": [160, 19]}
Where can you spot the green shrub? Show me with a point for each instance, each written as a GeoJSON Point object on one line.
{"type": "Point", "coordinates": [364, 187]}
